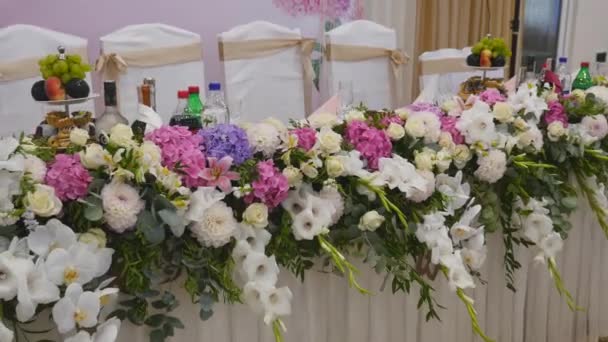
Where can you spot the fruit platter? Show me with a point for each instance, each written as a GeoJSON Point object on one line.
{"type": "Point", "coordinates": [63, 84]}
{"type": "Point", "coordinates": [489, 53]}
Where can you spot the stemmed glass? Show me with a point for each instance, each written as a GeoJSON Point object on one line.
{"type": "Point", "coordinates": [345, 95]}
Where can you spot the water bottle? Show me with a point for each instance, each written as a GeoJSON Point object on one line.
{"type": "Point", "coordinates": [564, 76]}
{"type": "Point", "coordinates": [216, 110]}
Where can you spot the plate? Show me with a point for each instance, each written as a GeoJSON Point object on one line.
{"type": "Point", "coordinates": [484, 68]}
{"type": "Point", "coordinates": [69, 101]}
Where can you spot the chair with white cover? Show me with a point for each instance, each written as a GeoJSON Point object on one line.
{"type": "Point", "coordinates": [21, 46]}
{"type": "Point", "coordinates": [268, 71]}
{"type": "Point", "coordinates": [442, 71]}
{"type": "Point", "coordinates": [170, 55]}
{"type": "Point", "coordinates": [365, 54]}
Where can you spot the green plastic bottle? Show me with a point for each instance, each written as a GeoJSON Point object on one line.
{"type": "Point", "coordinates": [195, 106]}
{"type": "Point", "coordinates": [583, 80]}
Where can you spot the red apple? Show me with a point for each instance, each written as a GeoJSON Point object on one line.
{"type": "Point", "coordinates": [54, 89]}
{"type": "Point", "coordinates": [485, 59]}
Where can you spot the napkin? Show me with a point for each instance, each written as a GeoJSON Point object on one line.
{"type": "Point", "coordinates": [149, 116]}
{"type": "Point", "coordinates": [330, 106]}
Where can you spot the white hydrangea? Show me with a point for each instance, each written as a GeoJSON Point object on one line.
{"type": "Point", "coordinates": [121, 205]}
{"type": "Point", "coordinates": [492, 166]}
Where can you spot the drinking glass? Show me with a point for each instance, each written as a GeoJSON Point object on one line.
{"type": "Point", "coordinates": [235, 113]}
{"type": "Point", "coordinates": [345, 95]}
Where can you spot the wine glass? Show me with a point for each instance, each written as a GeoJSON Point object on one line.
{"type": "Point", "coordinates": [345, 95]}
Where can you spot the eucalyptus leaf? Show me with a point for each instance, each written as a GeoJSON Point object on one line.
{"type": "Point", "coordinates": [570, 202]}
{"type": "Point", "coordinates": [205, 315]}
{"type": "Point", "coordinates": [157, 336]}
{"type": "Point", "coordinates": [155, 320]}
{"type": "Point", "coordinates": [175, 222]}
{"type": "Point", "coordinates": [153, 231]}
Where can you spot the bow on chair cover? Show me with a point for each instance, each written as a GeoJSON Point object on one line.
{"type": "Point", "coordinates": [111, 65]}
{"type": "Point", "coordinates": [355, 53]}
{"type": "Point", "coordinates": [248, 49]}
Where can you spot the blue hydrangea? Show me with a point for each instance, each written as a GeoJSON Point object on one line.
{"type": "Point", "coordinates": [226, 140]}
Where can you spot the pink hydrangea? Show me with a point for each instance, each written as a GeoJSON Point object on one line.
{"type": "Point", "coordinates": [181, 152]}
{"type": "Point", "coordinates": [307, 137]}
{"type": "Point", "coordinates": [491, 96]}
{"type": "Point", "coordinates": [556, 112]}
{"type": "Point", "coordinates": [371, 142]}
{"type": "Point", "coordinates": [270, 187]}
{"type": "Point", "coordinates": [68, 177]}
{"type": "Point", "coordinates": [448, 124]}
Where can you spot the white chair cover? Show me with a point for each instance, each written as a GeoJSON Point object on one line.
{"type": "Point", "coordinates": [18, 110]}
{"type": "Point", "coordinates": [169, 78]}
{"type": "Point", "coordinates": [266, 86]}
{"type": "Point", "coordinates": [371, 79]}
{"type": "Point", "coordinates": [438, 87]}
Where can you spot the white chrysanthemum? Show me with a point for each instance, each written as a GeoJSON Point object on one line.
{"type": "Point", "coordinates": [600, 92]}
{"type": "Point", "coordinates": [491, 166]}
{"type": "Point", "coordinates": [323, 119]}
{"type": "Point", "coordinates": [264, 137]}
{"type": "Point", "coordinates": [216, 225]}
{"type": "Point", "coordinates": [420, 195]}
{"type": "Point", "coordinates": [121, 205]}
{"type": "Point", "coordinates": [530, 137]}
{"type": "Point", "coordinates": [260, 268]}
{"type": "Point", "coordinates": [424, 125]}
{"type": "Point", "coordinates": [477, 124]}
{"type": "Point", "coordinates": [35, 167]}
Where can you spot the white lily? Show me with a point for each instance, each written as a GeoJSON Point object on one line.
{"type": "Point", "coordinates": [50, 236]}
{"type": "Point", "coordinates": [76, 309]}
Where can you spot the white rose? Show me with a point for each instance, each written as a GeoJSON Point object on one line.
{"type": "Point", "coordinates": [415, 127]}
{"type": "Point", "coordinates": [556, 130]}
{"type": "Point", "coordinates": [95, 237]}
{"type": "Point", "coordinates": [371, 220]}
{"type": "Point", "coordinates": [443, 159]}
{"type": "Point", "coordinates": [323, 119]}
{"type": "Point", "coordinates": [35, 167]}
{"type": "Point", "coordinates": [403, 113]}
{"type": "Point", "coordinates": [355, 115]}
{"type": "Point", "coordinates": [256, 215]}
{"type": "Point", "coordinates": [121, 135]}
{"type": "Point", "coordinates": [520, 124]}
{"type": "Point", "coordinates": [79, 136]}
{"type": "Point", "coordinates": [503, 112]}
{"type": "Point", "coordinates": [329, 141]}
{"type": "Point", "coordinates": [43, 201]}
{"type": "Point", "coordinates": [334, 167]}
{"type": "Point", "coordinates": [461, 155]}
{"type": "Point", "coordinates": [446, 141]}
{"type": "Point", "coordinates": [425, 160]}
{"type": "Point", "coordinates": [95, 156]}
{"type": "Point", "coordinates": [449, 105]}
{"type": "Point", "coordinates": [309, 170]}
{"type": "Point", "coordinates": [395, 131]}
{"type": "Point", "coordinates": [149, 155]}
{"type": "Point", "coordinates": [293, 175]}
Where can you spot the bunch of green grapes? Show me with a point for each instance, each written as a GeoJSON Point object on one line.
{"type": "Point", "coordinates": [71, 67]}
{"type": "Point", "coordinates": [496, 45]}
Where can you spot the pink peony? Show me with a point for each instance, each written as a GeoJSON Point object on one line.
{"type": "Point", "coordinates": [307, 137]}
{"type": "Point", "coordinates": [68, 177]}
{"type": "Point", "coordinates": [448, 124]}
{"type": "Point", "coordinates": [491, 96]}
{"type": "Point", "coordinates": [270, 187]}
{"type": "Point", "coordinates": [371, 142]}
{"type": "Point", "coordinates": [218, 173]}
{"type": "Point", "coordinates": [556, 112]}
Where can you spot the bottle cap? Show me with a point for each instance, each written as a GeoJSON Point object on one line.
{"type": "Point", "coordinates": [600, 57]}
{"type": "Point", "coordinates": [182, 94]}
{"type": "Point", "coordinates": [563, 59]}
{"type": "Point", "coordinates": [193, 90]}
{"type": "Point", "coordinates": [584, 64]}
{"type": "Point", "coordinates": [150, 81]}
{"type": "Point", "coordinates": [215, 86]}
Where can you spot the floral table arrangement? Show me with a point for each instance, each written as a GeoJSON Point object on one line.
{"type": "Point", "coordinates": [414, 191]}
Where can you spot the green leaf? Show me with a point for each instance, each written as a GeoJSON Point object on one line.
{"type": "Point", "coordinates": [157, 336]}
{"type": "Point", "coordinates": [175, 222]}
{"type": "Point", "coordinates": [174, 322]}
{"type": "Point", "coordinates": [570, 202]}
{"type": "Point", "coordinates": [206, 302]}
{"type": "Point", "coordinates": [155, 320]}
{"type": "Point", "coordinates": [153, 231]}
{"type": "Point", "coordinates": [205, 315]}
{"type": "Point", "coordinates": [93, 210]}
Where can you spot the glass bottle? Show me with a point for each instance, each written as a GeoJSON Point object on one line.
{"type": "Point", "coordinates": [180, 116]}
{"type": "Point", "coordinates": [583, 80]}
{"type": "Point", "coordinates": [111, 116]}
{"type": "Point", "coordinates": [195, 106]}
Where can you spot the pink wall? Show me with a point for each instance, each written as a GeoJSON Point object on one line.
{"type": "Point", "coordinates": [93, 19]}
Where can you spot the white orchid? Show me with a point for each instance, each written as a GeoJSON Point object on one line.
{"type": "Point", "coordinates": [106, 332]}
{"type": "Point", "coordinates": [54, 234]}
{"type": "Point", "coordinates": [526, 98]}
{"type": "Point", "coordinates": [454, 189]}
{"type": "Point", "coordinates": [80, 263]}
{"type": "Point", "coordinates": [463, 229]}
{"type": "Point", "coordinates": [397, 172]}
{"type": "Point", "coordinates": [38, 290]}
{"type": "Point", "coordinates": [477, 124]}
{"type": "Point", "coordinates": [458, 276]}
{"type": "Point", "coordinates": [76, 309]}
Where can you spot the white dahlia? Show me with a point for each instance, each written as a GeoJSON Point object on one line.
{"type": "Point", "coordinates": [121, 204]}
{"type": "Point", "coordinates": [216, 225]}
{"type": "Point", "coordinates": [263, 137]}
{"type": "Point", "coordinates": [491, 166]}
